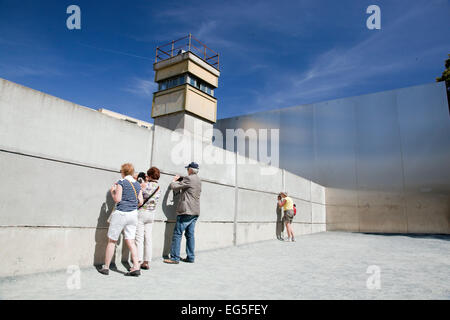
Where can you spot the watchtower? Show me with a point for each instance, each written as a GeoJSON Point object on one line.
{"type": "Point", "coordinates": [187, 74]}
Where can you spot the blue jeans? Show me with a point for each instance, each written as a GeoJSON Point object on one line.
{"type": "Point", "coordinates": [184, 223]}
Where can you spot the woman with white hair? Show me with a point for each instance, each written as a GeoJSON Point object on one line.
{"type": "Point", "coordinates": [288, 207]}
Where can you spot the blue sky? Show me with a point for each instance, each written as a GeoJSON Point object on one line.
{"type": "Point", "coordinates": [274, 54]}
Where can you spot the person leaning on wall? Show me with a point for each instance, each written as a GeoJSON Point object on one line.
{"type": "Point", "coordinates": [146, 215]}
{"type": "Point", "coordinates": [188, 210]}
{"type": "Point", "coordinates": [288, 207]}
{"type": "Point", "coordinates": [127, 195]}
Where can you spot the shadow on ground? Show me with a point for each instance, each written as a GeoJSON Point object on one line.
{"type": "Point", "coordinates": [445, 237]}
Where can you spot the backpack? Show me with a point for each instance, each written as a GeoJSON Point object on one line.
{"type": "Point", "coordinates": [295, 210]}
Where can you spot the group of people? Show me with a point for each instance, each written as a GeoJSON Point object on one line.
{"type": "Point", "coordinates": [136, 198]}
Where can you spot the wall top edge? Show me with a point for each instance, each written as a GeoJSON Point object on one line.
{"type": "Point", "coordinates": [106, 115]}
{"type": "Point", "coordinates": [436, 84]}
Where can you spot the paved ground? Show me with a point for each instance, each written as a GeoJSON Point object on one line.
{"type": "Point", "coordinates": [329, 265]}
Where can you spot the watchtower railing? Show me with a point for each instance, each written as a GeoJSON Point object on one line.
{"type": "Point", "coordinates": [187, 43]}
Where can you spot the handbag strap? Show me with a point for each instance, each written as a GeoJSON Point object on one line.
{"type": "Point", "coordinates": [153, 193]}
{"type": "Point", "coordinates": [134, 189]}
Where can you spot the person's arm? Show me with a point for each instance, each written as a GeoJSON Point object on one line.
{"type": "Point", "coordinates": [281, 202]}
{"type": "Point", "coordinates": [140, 198]}
{"type": "Point", "coordinates": [116, 192]}
{"type": "Point", "coordinates": [180, 185]}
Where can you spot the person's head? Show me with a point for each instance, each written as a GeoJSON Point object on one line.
{"type": "Point", "coordinates": [127, 169]}
{"type": "Point", "coordinates": [141, 177]}
{"type": "Point", "coordinates": [283, 194]}
{"type": "Point", "coordinates": [192, 168]}
{"type": "Point", "coordinates": [153, 173]}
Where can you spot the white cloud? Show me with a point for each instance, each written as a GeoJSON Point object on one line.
{"type": "Point", "coordinates": [12, 71]}
{"type": "Point", "coordinates": [385, 53]}
{"type": "Point", "coordinates": [142, 87]}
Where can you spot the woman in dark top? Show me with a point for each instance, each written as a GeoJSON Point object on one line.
{"type": "Point", "coordinates": [127, 195]}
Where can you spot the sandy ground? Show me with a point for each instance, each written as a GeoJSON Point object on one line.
{"type": "Point", "coordinates": [328, 265]}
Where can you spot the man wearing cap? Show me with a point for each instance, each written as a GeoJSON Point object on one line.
{"type": "Point", "coordinates": [188, 210]}
{"type": "Point", "coordinates": [288, 207]}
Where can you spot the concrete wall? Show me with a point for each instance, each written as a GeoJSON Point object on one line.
{"type": "Point", "coordinates": [383, 157]}
{"type": "Point", "coordinates": [59, 160]}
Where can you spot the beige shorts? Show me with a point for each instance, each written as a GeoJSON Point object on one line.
{"type": "Point", "coordinates": [288, 216]}
{"type": "Point", "coordinates": [126, 221]}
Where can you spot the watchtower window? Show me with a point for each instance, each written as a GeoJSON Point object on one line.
{"type": "Point", "coordinates": [186, 78]}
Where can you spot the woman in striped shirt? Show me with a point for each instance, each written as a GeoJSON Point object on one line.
{"type": "Point", "coordinates": [146, 215]}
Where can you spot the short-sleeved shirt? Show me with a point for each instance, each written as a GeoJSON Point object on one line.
{"type": "Point", "coordinates": [129, 200]}
{"type": "Point", "coordinates": [147, 192]}
{"type": "Point", "coordinates": [289, 204]}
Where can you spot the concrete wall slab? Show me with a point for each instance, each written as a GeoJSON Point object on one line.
{"type": "Point", "coordinates": [297, 186]}
{"type": "Point", "coordinates": [173, 151]}
{"type": "Point", "coordinates": [318, 227]}
{"type": "Point", "coordinates": [342, 218]}
{"type": "Point", "coordinates": [317, 193]}
{"type": "Point", "coordinates": [304, 211]}
{"type": "Point", "coordinates": [257, 176]}
{"type": "Point", "coordinates": [256, 206]}
{"type": "Point", "coordinates": [384, 219]}
{"type": "Point", "coordinates": [252, 232]}
{"type": "Point", "coordinates": [318, 213]}
{"type": "Point", "coordinates": [38, 192]}
{"type": "Point", "coordinates": [36, 123]}
{"type": "Point", "coordinates": [302, 229]}
{"type": "Point", "coordinates": [428, 213]}
{"type": "Point", "coordinates": [341, 197]}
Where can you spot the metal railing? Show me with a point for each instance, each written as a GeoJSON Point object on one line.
{"type": "Point", "coordinates": [187, 43]}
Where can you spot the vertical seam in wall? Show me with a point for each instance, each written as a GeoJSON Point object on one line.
{"type": "Point", "coordinates": [315, 161]}
{"type": "Point", "coordinates": [310, 201]}
{"type": "Point", "coordinates": [314, 138]}
{"type": "Point", "coordinates": [236, 199]}
{"type": "Point", "coordinates": [401, 162]}
{"type": "Point", "coordinates": [283, 188]}
{"type": "Point", "coordinates": [355, 114]}
{"type": "Point", "coordinates": [325, 206]}
{"type": "Point", "coordinates": [153, 144]}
